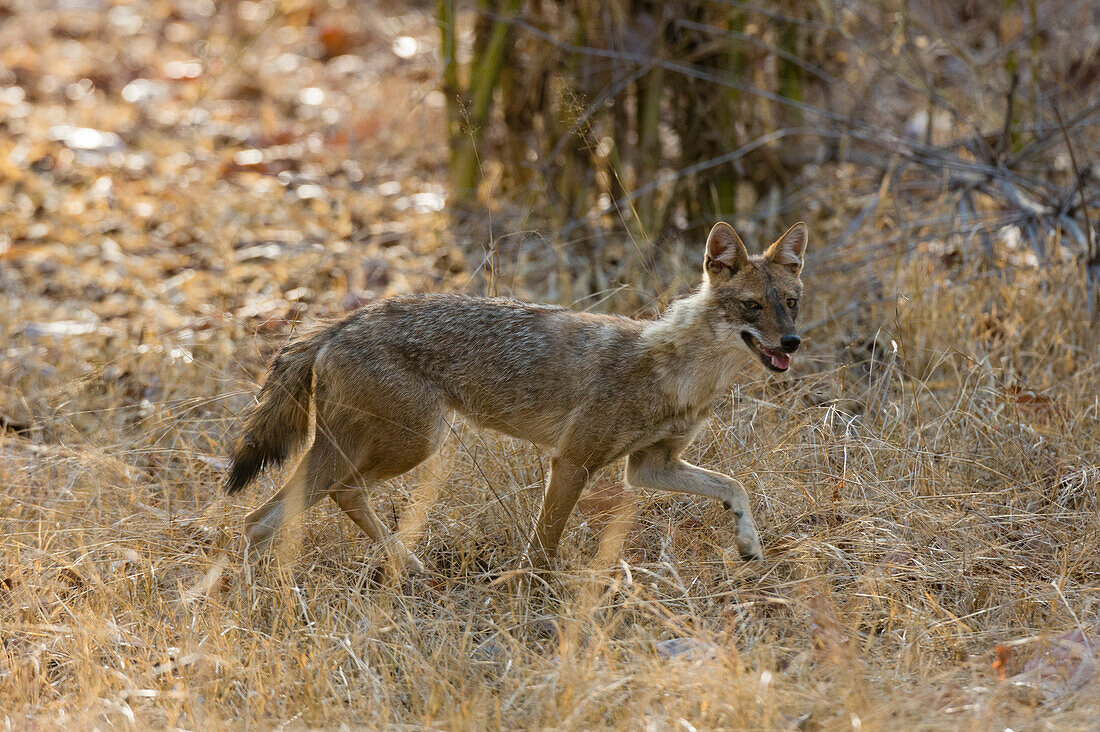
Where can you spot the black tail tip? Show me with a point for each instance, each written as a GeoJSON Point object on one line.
{"type": "Point", "coordinates": [241, 474]}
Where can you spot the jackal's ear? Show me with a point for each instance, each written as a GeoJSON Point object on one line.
{"type": "Point", "coordinates": [726, 253]}
{"type": "Point", "coordinates": [790, 249]}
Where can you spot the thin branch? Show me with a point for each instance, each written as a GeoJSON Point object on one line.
{"type": "Point", "coordinates": [1094, 251]}
{"type": "Point", "coordinates": [1092, 263]}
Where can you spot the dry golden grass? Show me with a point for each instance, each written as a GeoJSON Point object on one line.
{"type": "Point", "coordinates": [926, 479]}
{"type": "Point", "coordinates": [920, 507]}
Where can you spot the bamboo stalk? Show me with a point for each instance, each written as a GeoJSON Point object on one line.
{"type": "Point", "coordinates": [791, 75]}
{"type": "Point", "coordinates": [485, 70]}
{"type": "Point", "coordinates": [1034, 45]}
{"type": "Point", "coordinates": [445, 14]}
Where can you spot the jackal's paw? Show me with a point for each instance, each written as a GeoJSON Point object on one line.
{"type": "Point", "coordinates": [404, 561]}
{"type": "Point", "coordinates": [404, 567]}
{"type": "Point", "coordinates": [413, 565]}
{"type": "Point", "coordinates": [748, 541]}
{"type": "Point", "coordinates": [750, 555]}
{"type": "Point", "coordinates": [749, 547]}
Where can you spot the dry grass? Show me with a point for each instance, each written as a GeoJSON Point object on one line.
{"type": "Point", "coordinates": [920, 508]}
{"type": "Point", "coordinates": [925, 481]}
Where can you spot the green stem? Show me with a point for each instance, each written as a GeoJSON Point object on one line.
{"type": "Point", "coordinates": [484, 75]}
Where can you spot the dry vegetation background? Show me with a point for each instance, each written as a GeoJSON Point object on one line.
{"type": "Point", "coordinates": [182, 181]}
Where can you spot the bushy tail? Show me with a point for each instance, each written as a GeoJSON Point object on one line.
{"type": "Point", "coordinates": [280, 421]}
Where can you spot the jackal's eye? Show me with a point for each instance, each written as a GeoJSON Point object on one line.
{"type": "Point", "coordinates": [752, 304]}
{"type": "Point", "coordinates": [792, 303]}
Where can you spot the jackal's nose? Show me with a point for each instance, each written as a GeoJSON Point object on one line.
{"type": "Point", "coordinates": [790, 343]}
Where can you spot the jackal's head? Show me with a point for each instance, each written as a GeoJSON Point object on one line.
{"type": "Point", "coordinates": [756, 298]}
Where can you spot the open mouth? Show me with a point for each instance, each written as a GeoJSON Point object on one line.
{"type": "Point", "coordinates": [774, 360]}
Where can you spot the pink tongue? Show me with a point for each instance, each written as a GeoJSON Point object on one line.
{"type": "Point", "coordinates": [779, 360]}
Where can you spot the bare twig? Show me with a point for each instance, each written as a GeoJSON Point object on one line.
{"type": "Point", "coordinates": [1092, 263]}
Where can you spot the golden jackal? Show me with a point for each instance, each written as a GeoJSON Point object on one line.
{"type": "Point", "coordinates": [591, 388]}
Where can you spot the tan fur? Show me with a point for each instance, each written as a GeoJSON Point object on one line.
{"type": "Point", "coordinates": [590, 388]}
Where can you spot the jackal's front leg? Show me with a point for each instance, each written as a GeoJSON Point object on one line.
{"type": "Point", "coordinates": [659, 468]}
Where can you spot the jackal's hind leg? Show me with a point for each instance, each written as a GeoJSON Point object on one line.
{"type": "Point", "coordinates": [261, 525]}
{"type": "Point", "coordinates": [356, 504]}
{"type": "Point", "coordinates": [384, 447]}
{"type": "Point", "coordinates": [567, 480]}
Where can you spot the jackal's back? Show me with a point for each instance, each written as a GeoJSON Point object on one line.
{"type": "Point", "coordinates": [517, 367]}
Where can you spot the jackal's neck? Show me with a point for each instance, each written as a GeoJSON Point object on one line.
{"type": "Point", "coordinates": [683, 317]}
{"type": "Point", "coordinates": [693, 364]}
